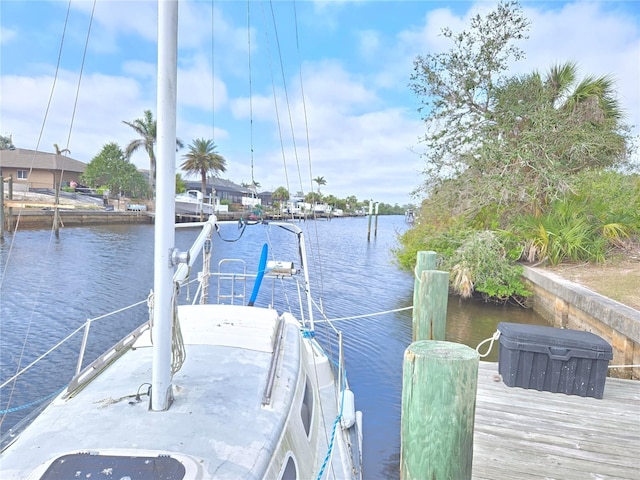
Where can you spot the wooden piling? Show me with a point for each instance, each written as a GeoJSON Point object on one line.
{"type": "Point", "coordinates": [1, 206]}
{"type": "Point", "coordinates": [439, 387]}
{"type": "Point", "coordinates": [430, 306]}
{"type": "Point", "coordinates": [10, 209]}
{"type": "Point", "coordinates": [370, 214]}
{"type": "Point", "coordinates": [424, 261]}
{"type": "Point", "coordinates": [375, 227]}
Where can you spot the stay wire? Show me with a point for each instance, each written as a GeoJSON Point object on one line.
{"type": "Point", "coordinates": [286, 94]}
{"type": "Point", "coordinates": [253, 180]}
{"type": "Point", "coordinates": [317, 257]}
{"type": "Point", "coordinates": [213, 76]}
{"type": "Point", "coordinates": [40, 135]}
{"type": "Point", "coordinates": [275, 100]}
{"type": "Point", "coordinates": [75, 103]}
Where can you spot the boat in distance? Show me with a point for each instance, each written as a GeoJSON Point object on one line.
{"type": "Point", "coordinates": [192, 202]}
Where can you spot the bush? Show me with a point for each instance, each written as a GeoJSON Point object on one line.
{"type": "Point", "coordinates": [482, 264]}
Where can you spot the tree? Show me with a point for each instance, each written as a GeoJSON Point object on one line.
{"type": "Point", "coordinates": [111, 169]}
{"type": "Point", "coordinates": [351, 202]}
{"type": "Point", "coordinates": [545, 131]}
{"type": "Point", "coordinates": [181, 186]}
{"type": "Point", "coordinates": [457, 88]}
{"type": "Point", "coordinates": [280, 194]}
{"type": "Point", "coordinates": [320, 181]}
{"type": "Point", "coordinates": [508, 143]}
{"type": "Point", "coordinates": [313, 197]}
{"type": "Point", "coordinates": [146, 128]}
{"type": "Point", "coordinates": [6, 143]}
{"type": "Point", "coordinates": [253, 186]}
{"type": "Point", "coordinates": [203, 159]}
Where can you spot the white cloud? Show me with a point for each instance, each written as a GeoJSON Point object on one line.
{"type": "Point", "coordinates": [362, 118]}
{"type": "Point", "coordinates": [602, 41]}
{"type": "Point", "coordinates": [7, 35]}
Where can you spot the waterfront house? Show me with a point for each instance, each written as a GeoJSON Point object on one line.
{"type": "Point", "coordinates": [233, 193]}
{"type": "Point", "coordinates": [33, 170]}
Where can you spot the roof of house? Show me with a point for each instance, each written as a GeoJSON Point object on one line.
{"type": "Point", "coordinates": [30, 159]}
{"type": "Point", "coordinates": [219, 184]}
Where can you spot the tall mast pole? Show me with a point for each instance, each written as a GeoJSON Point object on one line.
{"type": "Point", "coordinates": [165, 203]}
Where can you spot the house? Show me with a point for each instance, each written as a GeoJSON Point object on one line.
{"type": "Point", "coordinates": [33, 170]}
{"type": "Point", "coordinates": [227, 190]}
{"type": "Point", "coordinates": [266, 198]}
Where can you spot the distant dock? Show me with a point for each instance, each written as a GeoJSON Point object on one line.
{"type": "Point", "coordinates": [527, 434]}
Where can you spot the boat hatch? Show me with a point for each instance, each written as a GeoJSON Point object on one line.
{"type": "Point", "coordinates": [87, 465]}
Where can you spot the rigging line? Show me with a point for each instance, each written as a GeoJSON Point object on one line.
{"type": "Point", "coordinates": [213, 77]}
{"type": "Point", "coordinates": [286, 93]}
{"type": "Point", "coordinates": [331, 320]}
{"type": "Point", "coordinates": [68, 337]}
{"type": "Point", "coordinates": [13, 237]}
{"type": "Point", "coordinates": [253, 181]}
{"type": "Point", "coordinates": [275, 100]}
{"type": "Point", "coordinates": [315, 253]}
{"type": "Point", "coordinates": [75, 103]}
{"type": "Point", "coordinates": [44, 121]}
{"type": "Point", "coordinates": [284, 292]}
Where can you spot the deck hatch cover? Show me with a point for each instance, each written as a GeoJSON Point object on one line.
{"type": "Point", "coordinates": [85, 465]}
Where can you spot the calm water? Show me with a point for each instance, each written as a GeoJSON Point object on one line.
{"type": "Point", "coordinates": [51, 286]}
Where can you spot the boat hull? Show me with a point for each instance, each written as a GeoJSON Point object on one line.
{"type": "Point", "coordinates": [192, 208]}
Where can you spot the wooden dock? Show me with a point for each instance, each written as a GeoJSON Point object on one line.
{"type": "Point", "coordinates": [527, 434]}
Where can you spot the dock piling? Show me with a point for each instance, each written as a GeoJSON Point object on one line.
{"type": "Point", "coordinates": [430, 299]}
{"type": "Point", "coordinates": [439, 386]}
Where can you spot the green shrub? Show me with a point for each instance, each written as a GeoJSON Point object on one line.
{"type": "Point", "coordinates": [482, 264]}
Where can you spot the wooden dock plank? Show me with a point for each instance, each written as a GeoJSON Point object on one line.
{"type": "Point", "coordinates": [527, 434]}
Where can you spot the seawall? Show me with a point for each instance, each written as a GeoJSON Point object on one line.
{"type": "Point", "coordinates": [569, 305]}
{"type": "Point", "coordinates": [74, 218]}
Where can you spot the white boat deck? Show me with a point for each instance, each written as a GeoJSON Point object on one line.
{"type": "Point", "coordinates": [527, 434]}
{"type": "Point", "coordinates": [216, 414]}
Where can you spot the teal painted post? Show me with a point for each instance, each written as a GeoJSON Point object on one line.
{"type": "Point", "coordinates": [439, 385]}
{"type": "Point", "coordinates": [424, 261]}
{"type": "Point", "coordinates": [430, 311]}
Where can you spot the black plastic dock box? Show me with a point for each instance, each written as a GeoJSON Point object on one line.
{"type": "Point", "coordinates": [553, 359]}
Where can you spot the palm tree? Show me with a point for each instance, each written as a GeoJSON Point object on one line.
{"type": "Point", "coordinates": [60, 152]}
{"type": "Point", "coordinates": [593, 99]}
{"type": "Point", "coordinates": [281, 194]}
{"type": "Point", "coordinates": [146, 128]}
{"type": "Point", "coordinates": [203, 159]}
{"type": "Point", "coordinates": [320, 181]}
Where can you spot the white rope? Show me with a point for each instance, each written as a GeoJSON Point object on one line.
{"type": "Point", "coordinates": [492, 338]}
{"type": "Point", "coordinates": [327, 320]}
{"type": "Point", "coordinates": [624, 366]}
{"type": "Point", "coordinates": [178, 351]}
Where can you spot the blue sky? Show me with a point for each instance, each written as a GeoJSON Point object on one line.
{"type": "Point", "coordinates": [352, 58]}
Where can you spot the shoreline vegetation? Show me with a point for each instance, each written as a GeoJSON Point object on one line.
{"type": "Point", "coordinates": [538, 168]}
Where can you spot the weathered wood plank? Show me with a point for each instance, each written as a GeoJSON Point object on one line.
{"type": "Point", "coordinates": [527, 434]}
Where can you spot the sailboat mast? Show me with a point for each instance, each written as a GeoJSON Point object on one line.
{"type": "Point", "coordinates": [164, 236]}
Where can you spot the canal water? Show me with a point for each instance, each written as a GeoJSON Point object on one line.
{"type": "Point", "coordinates": [50, 286]}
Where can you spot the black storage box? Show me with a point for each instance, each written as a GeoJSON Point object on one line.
{"type": "Point", "coordinates": [553, 359]}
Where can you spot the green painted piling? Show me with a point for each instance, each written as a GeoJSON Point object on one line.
{"type": "Point", "coordinates": [430, 306]}
{"type": "Point", "coordinates": [439, 387]}
{"type": "Point", "coordinates": [424, 261]}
